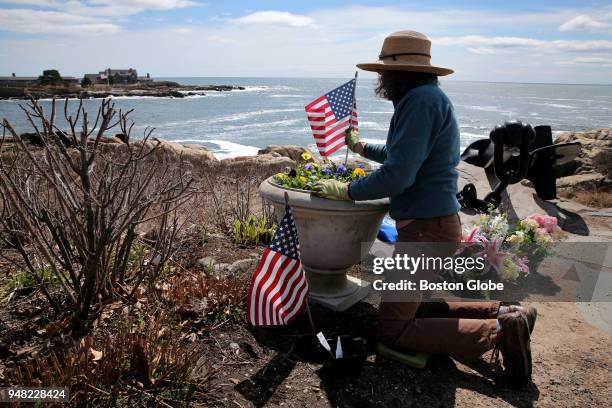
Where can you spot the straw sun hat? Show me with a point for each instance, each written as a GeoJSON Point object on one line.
{"type": "Point", "coordinates": [405, 51]}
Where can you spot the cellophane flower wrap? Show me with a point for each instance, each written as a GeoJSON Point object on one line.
{"type": "Point", "coordinates": [511, 251]}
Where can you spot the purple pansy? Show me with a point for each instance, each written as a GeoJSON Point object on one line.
{"type": "Point", "coordinates": [327, 171]}
{"type": "Point", "coordinates": [341, 169]}
{"type": "Point", "coordinates": [309, 167]}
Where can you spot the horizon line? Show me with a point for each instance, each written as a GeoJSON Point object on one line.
{"type": "Point", "coordinates": [373, 78]}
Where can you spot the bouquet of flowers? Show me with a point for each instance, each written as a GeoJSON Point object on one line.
{"type": "Point", "coordinates": [305, 175]}
{"type": "Point", "coordinates": [509, 251]}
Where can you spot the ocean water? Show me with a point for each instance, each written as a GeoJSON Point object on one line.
{"type": "Point", "coordinates": [271, 111]}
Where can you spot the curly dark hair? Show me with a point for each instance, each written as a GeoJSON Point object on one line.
{"type": "Point", "coordinates": [392, 85]}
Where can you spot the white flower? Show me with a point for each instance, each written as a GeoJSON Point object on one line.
{"type": "Point", "coordinates": [511, 270]}
{"type": "Point", "coordinates": [517, 238]}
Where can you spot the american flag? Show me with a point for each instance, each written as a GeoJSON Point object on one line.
{"type": "Point", "coordinates": [330, 115]}
{"type": "Point", "coordinates": [278, 289]}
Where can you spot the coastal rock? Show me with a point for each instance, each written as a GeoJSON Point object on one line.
{"type": "Point", "coordinates": [293, 152]}
{"type": "Point", "coordinates": [582, 181]}
{"type": "Point", "coordinates": [273, 162]}
{"type": "Point", "coordinates": [196, 154]}
{"type": "Point", "coordinates": [596, 154]}
{"type": "Point", "coordinates": [588, 178]}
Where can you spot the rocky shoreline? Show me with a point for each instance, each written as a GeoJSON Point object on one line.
{"type": "Point", "coordinates": [586, 180]}
{"type": "Point", "coordinates": [158, 89]}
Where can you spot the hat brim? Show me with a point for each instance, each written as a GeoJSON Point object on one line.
{"type": "Point", "coordinates": [400, 66]}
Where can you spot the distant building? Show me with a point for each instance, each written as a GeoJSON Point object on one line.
{"type": "Point", "coordinates": [117, 76]}
{"type": "Point", "coordinates": [145, 79]}
{"type": "Point", "coordinates": [17, 81]}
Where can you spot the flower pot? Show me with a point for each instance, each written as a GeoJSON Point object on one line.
{"type": "Point", "coordinates": [332, 234]}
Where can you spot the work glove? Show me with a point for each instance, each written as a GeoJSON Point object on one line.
{"type": "Point", "coordinates": [332, 189]}
{"type": "Point", "coordinates": [351, 138]}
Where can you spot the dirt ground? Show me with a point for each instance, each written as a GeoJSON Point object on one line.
{"type": "Point", "coordinates": [279, 367]}
{"type": "Point", "coordinates": [571, 359]}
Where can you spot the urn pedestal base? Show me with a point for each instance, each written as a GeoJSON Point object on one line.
{"type": "Point", "coordinates": [360, 290]}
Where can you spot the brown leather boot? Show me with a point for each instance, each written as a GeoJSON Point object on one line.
{"type": "Point", "coordinates": [515, 347]}
{"type": "Point", "coordinates": [530, 313]}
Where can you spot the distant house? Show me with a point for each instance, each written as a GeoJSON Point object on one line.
{"type": "Point", "coordinates": [93, 78]}
{"type": "Point", "coordinates": [117, 76]}
{"type": "Point", "coordinates": [17, 81]}
{"type": "Point", "coordinates": [120, 76]}
{"type": "Point", "coordinates": [145, 79]}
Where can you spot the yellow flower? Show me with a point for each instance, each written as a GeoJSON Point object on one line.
{"type": "Point", "coordinates": [303, 181]}
{"type": "Point", "coordinates": [358, 172]}
{"type": "Point", "coordinates": [306, 156]}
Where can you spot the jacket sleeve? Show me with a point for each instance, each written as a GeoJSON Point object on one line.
{"type": "Point", "coordinates": [407, 149]}
{"type": "Point", "coordinates": [375, 152]}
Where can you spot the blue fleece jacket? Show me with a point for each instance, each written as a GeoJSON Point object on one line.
{"type": "Point", "coordinates": [419, 159]}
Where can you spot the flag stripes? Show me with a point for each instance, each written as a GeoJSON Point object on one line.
{"type": "Point", "coordinates": [330, 115]}
{"type": "Point", "coordinates": [278, 288]}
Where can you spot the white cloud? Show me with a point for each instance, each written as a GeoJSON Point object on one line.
{"type": "Point", "coordinates": [584, 22]}
{"type": "Point", "coordinates": [80, 17]}
{"type": "Point", "coordinates": [275, 18]}
{"type": "Point", "coordinates": [44, 3]}
{"type": "Point", "coordinates": [525, 42]}
{"type": "Point", "coordinates": [487, 41]}
{"type": "Point", "coordinates": [598, 61]}
{"type": "Point", "coordinates": [146, 4]}
{"type": "Point", "coordinates": [53, 22]}
{"type": "Point", "coordinates": [184, 30]}
{"type": "Point", "coordinates": [483, 51]}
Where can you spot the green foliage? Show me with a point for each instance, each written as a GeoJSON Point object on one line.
{"type": "Point", "coordinates": [85, 82]}
{"type": "Point", "coordinates": [253, 230]}
{"type": "Point", "coordinates": [24, 280]}
{"type": "Point", "coordinates": [50, 76]}
{"type": "Point", "coordinates": [305, 176]}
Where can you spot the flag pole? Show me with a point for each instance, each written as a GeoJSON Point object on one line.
{"type": "Point", "coordinates": [351, 117]}
{"type": "Point", "coordinates": [310, 321]}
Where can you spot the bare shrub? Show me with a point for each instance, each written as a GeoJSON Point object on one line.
{"type": "Point", "coordinates": [203, 296]}
{"type": "Point", "coordinates": [237, 206]}
{"type": "Point", "coordinates": [142, 358]}
{"type": "Point", "coordinates": [73, 207]}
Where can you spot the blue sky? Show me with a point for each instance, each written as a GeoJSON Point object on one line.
{"type": "Point", "coordinates": [518, 41]}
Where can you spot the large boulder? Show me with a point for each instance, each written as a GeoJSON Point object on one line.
{"type": "Point", "coordinates": [269, 162]}
{"type": "Point", "coordinates": [196, 154]}
{"type": "Point", "coordinates": [293, 152]}
{"type": "Point", "coordinates": [596, 154]}
{"type": "Point", "coordinates": [588, 178]}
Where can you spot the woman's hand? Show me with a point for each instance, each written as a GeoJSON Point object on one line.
{"type": "Point", "coordinates": [332, 189]}
{"type": "Point", "coordinates": [351, 138]}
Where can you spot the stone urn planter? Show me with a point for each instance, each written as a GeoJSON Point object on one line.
{"type": "Point", "coordinates": [331, 235]}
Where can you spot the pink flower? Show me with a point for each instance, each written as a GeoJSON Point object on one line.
{"type": "Point", "coordinates": [522, 264]}
{"type": "Point", "coordinates": [546, 222]}
{"type": "Point", "coordinates": [471, 236]}
{"type": "Point", "coordinates": [492, 252]}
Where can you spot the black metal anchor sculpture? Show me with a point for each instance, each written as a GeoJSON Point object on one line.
{"type": "Point", "coordinates": [516, 151]}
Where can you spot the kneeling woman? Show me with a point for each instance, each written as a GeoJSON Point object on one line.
{"type": "Point", "coordinates": [418, 174]}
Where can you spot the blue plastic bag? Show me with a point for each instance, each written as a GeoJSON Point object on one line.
{"type": "Point", "coordinates": [387, 232]}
